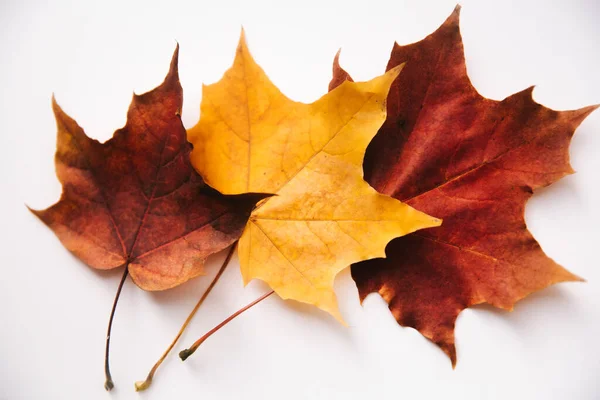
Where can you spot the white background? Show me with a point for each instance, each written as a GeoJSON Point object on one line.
{"type": "Point", "coordinates": [92, 55]}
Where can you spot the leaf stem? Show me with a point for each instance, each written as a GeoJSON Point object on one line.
{"type": "Point", "coordinates": [108, 384]}
{"type": "Point", "coordinates": [184, 354]}
{"type": "Point", "coordinates": [143, 385]}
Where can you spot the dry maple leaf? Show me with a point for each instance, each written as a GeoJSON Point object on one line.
{"type": "Point", "coordinates": [251, 137]}
{"type": "Point", "coordinates": [446, 150]}
{"type": "Point", "coordinates": [136, 200]}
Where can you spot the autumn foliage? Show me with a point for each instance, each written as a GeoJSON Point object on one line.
{"type": "Point", "coordinates": [325, 216]}
{"type": "Point", "coordinates": [136, 201]}
{"type": "Point", "coordinates": [412, 178]}
{"type": "Point", "coordinates": [474, 162]}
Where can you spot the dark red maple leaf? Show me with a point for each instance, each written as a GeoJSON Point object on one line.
{"type": "Point", "coordinates": [136, 200]}
{"type": "Point", "coordinates": [474, 162]}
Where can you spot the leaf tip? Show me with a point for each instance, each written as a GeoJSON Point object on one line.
{"type": "Point", "coordinates": [449, 348]}
{"type": "Point", "coordinates": [435, 222]}
{"type": "Point", "coordinates": [336, 59]}
{"type": "Point", "coordinates": [454, 18]}
{"type": "Point", "coordinates": [571, 277]}
{"type": "Point", "coordinates": [242, 43]}
{"type": "Point", "coordinates": [529, 90]}
{"type": "Point", "coordinates": [55, 107]}
{"type": "Point", "coordinates": [394, 72]}
{"type": "Point", "coordinates": [582, 113]}
{"type": "Point", "coordinates": [173, 73]}
{"type": "Point", "coordinates": [381, 85]}
{"type": "Point", "coordinates": [242, 49]}
{"type": "Point", "coordinates": [339, 74]}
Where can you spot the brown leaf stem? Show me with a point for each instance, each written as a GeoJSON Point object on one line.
{"type": "Point", "coordinates": [184, 354]}
{"type": "Point", "coordinates": [108, 384]}
{"type": "Point", "coordinates": [143, 385]}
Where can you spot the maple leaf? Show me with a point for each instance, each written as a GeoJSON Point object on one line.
{"type": "Point", "coordinates": [448, 151]}
{"type": "Point", "coordinates": [136, 201]}
{"type": "Point", "coordinates": [251, 137]}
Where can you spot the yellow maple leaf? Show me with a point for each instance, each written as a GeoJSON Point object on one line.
{"type": "Point", "coordinates": [252, 138]}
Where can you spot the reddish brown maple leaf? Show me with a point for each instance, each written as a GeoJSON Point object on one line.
{"type": "Point", "coordinates": [474, 162]}
{"type": "Point", "coordinates": [136, 200]}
